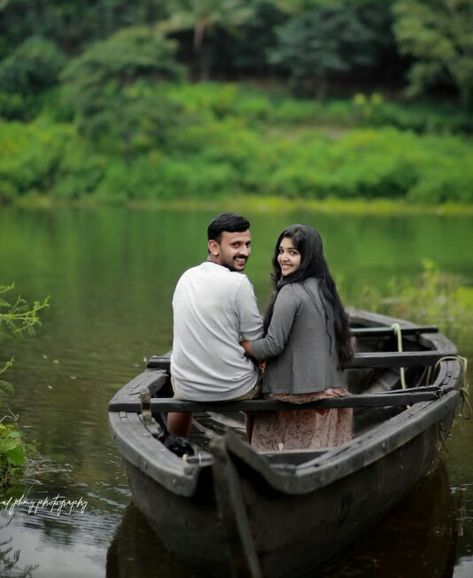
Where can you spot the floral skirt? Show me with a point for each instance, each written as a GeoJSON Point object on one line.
{"type": "Point", "coordinates": [302, 429]}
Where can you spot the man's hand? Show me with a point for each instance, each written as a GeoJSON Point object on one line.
{"type": "Point", "coordinates": [247, 347]}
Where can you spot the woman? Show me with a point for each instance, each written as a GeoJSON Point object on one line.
{"type": "Point", "coordinates": [306, 344]}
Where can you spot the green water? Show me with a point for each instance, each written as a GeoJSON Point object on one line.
{"type": "Point", "coordinates": [110, 274]}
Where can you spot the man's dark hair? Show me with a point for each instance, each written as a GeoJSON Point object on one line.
{"type": "Point", "coordinates": [229, 222]}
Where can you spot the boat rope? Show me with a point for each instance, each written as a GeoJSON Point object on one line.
{"type": "Point", "coordinates": [466, 411]}
{"type": "Point", "coordinates": [398, 333]}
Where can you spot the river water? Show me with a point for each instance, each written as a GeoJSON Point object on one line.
{"type": "Point", "coordinates": [110, 274]}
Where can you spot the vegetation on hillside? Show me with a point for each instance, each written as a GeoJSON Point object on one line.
{"type": "Point", "coordinates": [97, 102]}
{"type": "Point", "coordinates": [205, 141]}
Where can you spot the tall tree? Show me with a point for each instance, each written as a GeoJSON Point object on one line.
{"type": "Point", "coordinates": [438, 34]}
{"type": "Point", "coordinates": [110, 88]}
{"type": "Point", "coordinates": [317, 43]}
{"type": "Point", "coordinates": [203, 16]}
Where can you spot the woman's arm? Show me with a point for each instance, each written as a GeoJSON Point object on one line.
{"type": "Point", "coordinates": [285, 310]}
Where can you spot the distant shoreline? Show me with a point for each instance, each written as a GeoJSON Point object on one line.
{"type": "Point", "coordinates": [263, 204]}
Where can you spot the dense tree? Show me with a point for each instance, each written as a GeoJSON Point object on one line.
{"type": "Point", "coordinates": [438, 34]}
{"type": "Point", "coordinates": [72, 24]}
{"type": "Point", "coordinates": [204, 16]}
{"type": "Point", "coordinates": [110, 87]}
{"type": "Point", "coordinates": [33, 67]}
{"type": "Point", "coordinates": [326, 40]}
{"type": "Point", "coordinates": [233, 54]}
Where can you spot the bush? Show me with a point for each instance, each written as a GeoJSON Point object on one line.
{"type": "Point", "coordinates": [164, 178]}
{"type": "Point", "coordinates": [79, 173]}
{"type": "Point", "coordinates": [182, 141]}
{"type": "Point", "coordinates": [432, 297]}
{"type": "Point", "coordinates": [31, 155]}
{"type": "Point", "coordinates": [32, 68]}
{"type": "Point", "coordinates": [111, 88]}
{"type": "Point", "coordinates": [12, 453]}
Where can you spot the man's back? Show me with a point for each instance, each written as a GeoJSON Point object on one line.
{"type": "Point", "coordinates": [214, 308]}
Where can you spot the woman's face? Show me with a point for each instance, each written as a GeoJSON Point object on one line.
{"type": "Point", "coordinates": [289, 258]}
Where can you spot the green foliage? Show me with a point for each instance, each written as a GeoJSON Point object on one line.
{"type": "Point", "coordinates": [17, 318]}
{"type": "Point", "coordinates": [129, 54]}
{"type": "Point", "coordinates": [14, 106]}
{"type": "Point", "coordinates": [438, 34]}
{"type": "Point", "coordinates": [374, 110]}
{"type": "Point", "coordinates": [32, 68]}
{"type": "Point", "coordinates": [210, 140]}
{"type": "Point", "coordinates": [31, 155]}
{"type": "Point", "coordinates": [72, 25]}
{"type": "Point", "coordinates": [80, 171]}
{"type": "Point", "coordinates": [12, 453]}
{"type": "Point", "coordinates": [433, 297]}
{"type": "Point", "coordinates": [163, 178]}
{"type": "Point", "coordinates": [203, 17]}
{"type": "Point", "coordinates": [111, 88]}
{"type": "Point", "coordinates": [317, 43]}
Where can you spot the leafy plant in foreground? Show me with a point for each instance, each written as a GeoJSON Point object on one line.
{"type": "Point", "coordinates": [17, 318]}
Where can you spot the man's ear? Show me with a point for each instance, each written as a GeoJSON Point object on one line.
{"type": "Point", "coordinates": [213, 247]}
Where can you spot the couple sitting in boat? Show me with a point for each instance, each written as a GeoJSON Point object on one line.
{"type": "Point", "coordinates": [221, 341]}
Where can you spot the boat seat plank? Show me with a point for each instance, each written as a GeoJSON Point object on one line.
{"type": "Point", "coordinates": [360, 360]}
{"type": "Point", "coordinates": [388, 331]}
{"type": "Point", "coordinates": [165, 405]}
{"type": "Point", "coordinates": [397, 359]}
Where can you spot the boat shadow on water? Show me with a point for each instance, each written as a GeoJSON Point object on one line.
{"type": "Point", "coordinates": [417, 539]}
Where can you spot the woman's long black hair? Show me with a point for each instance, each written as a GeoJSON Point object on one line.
{"type": "Point", "coordinates": [309, 244]}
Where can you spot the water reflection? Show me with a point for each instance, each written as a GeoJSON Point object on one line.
{"type": "Point", "coordinates": [110, 273]}
{"type": "Point", "coordinates": [136, 552]}
{"type": "Point", "coordinates": [10, 557]}
{"type": "Point", "coordinates": [417, 539]}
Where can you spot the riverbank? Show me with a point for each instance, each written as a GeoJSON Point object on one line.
{"type": "Point", "coordinates": [266, 204]}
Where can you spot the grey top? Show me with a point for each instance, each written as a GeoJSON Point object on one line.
{"type": "Point", "coordinates": [301, 357]}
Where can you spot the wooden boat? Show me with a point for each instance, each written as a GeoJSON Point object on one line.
{"type": "Point", "coordinates": [227, 510]}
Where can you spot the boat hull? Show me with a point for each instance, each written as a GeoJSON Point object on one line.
{"type": "Point", "coordinates": [230, 511]}
{"type": "Point", "coordinates": [292, 534]}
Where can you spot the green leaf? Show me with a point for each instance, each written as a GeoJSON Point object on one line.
{"type": "Point", "coordinates": [16, 456]}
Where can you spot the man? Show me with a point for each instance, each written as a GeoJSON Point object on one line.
{"type": "Point", "coordinates": [214, 308]}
